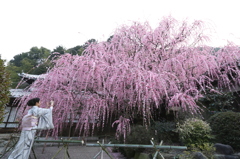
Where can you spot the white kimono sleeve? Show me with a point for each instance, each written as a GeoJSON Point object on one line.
{"type": "Point", "coordinates": [45, 119]}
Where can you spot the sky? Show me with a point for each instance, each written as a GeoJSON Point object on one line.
{"type": "Point", "coordinates": [68, 23]}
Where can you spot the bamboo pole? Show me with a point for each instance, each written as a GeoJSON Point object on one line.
{"type": "Point", "coordinates": [116, 145]}
{"type": "Point", "coordinates": [103, 146]}
{"type": "Point", "coordinates": [139, 146]}
{"type": "Point", "coordinates": [59, 141]}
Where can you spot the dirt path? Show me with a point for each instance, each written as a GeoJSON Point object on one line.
{"type": "Point", "coordinates": [75, 152]}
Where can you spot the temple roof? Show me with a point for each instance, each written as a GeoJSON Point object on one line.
{"type": "Point", "coordinates": [30, 78]}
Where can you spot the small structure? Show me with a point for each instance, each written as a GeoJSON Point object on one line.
{"type": "Point", "coordinates": [30, 78]}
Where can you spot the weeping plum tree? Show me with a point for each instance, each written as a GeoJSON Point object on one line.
{"type": "Point", "coordinates": [139, 70]}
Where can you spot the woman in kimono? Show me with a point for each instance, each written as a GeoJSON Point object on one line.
{"type": "Point", "coordinates": [36, 118]}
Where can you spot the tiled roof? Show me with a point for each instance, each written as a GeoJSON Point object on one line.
{"type": "Point", "coordinates": [31, 76]}
{"type": "Point", "coordinates": [18, 92]}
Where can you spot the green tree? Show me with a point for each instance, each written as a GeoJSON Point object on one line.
{"type": "Point", "coordinates": [33, 61]}
{"type": "Point", "coordinates": [38, 56]}
{"type": "Point", "coordinates": [27, 64]}
{"type": "Point", "coordinates": [4, 87]}
{"type": "Point", "coordinates": [59, 49]}
{"type": "Point", "coordinates": [16, 61]}
{"type": "Point", "coordinates": [77, 50]}
{"type": "Point", "coordinates": [90, 41]}
{"type": "Point", "coordinates": [219, 102]}
{"type": "Point", "coordinates": [13, 71]}
{"type": "Point", "coordinates": [110, 38]}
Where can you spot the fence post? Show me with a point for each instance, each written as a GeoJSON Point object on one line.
{"type": "Point", "coordinates": [104, 149]}
{"type": "Point", "coordinates": [157, 150]}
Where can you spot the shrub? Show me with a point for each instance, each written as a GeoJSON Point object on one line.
{"type": "Point", "coordinates": [226, 128]}
{"type": "Point", "coordinates": [166, 131]}
{"type": "Point", "coordinates": [221, 101]}
{"type": "Point", "coordinates": [194, 132]}
{"type": "Point", "coordinates": [207, 149]}
{"type": "Point", "coordinates": [138, 135]}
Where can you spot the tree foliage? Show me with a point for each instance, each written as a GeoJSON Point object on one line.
{"type": "Point", "coordinates": [77, 50]}
{"type": "Point", "coordinates": [60, 50]}
{"type": "Point", "coordinates": [4, 87]}
{"type": "Point", "coordinates": [226, 128]}
{"type": "Point", "coordinates": [139, 70]}
{"type": "Point", "coordinates": [34, 61]}
{"type": "Point", "coordinates": [218, 101]}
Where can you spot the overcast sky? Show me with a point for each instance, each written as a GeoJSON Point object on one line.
{"type": "Point", "coordinates": [50, 23]}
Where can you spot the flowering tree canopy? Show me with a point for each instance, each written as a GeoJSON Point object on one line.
{"type": "Point", "coordinates": [138, 70]}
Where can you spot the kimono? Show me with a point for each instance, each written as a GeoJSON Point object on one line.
{"type": "Point", "coordinates": [36, 119]}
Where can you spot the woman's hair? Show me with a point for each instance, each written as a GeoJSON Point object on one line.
{"type": "Point", "coordinates": [33, 101]}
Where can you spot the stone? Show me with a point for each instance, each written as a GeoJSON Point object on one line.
{"type": "Point", "coordinates": [237, 154]}
{"type": "Point", "coordinates": [223, 149]}
{"type": "Point", "coordinates": [218, 156]}
{"type": "Point", "coordinates": [199, 155]}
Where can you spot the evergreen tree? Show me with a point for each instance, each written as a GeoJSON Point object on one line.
{"type": "Point", "coordinates": [34, 62]}
{"type": "Point", "coordinates": [4, 87]}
